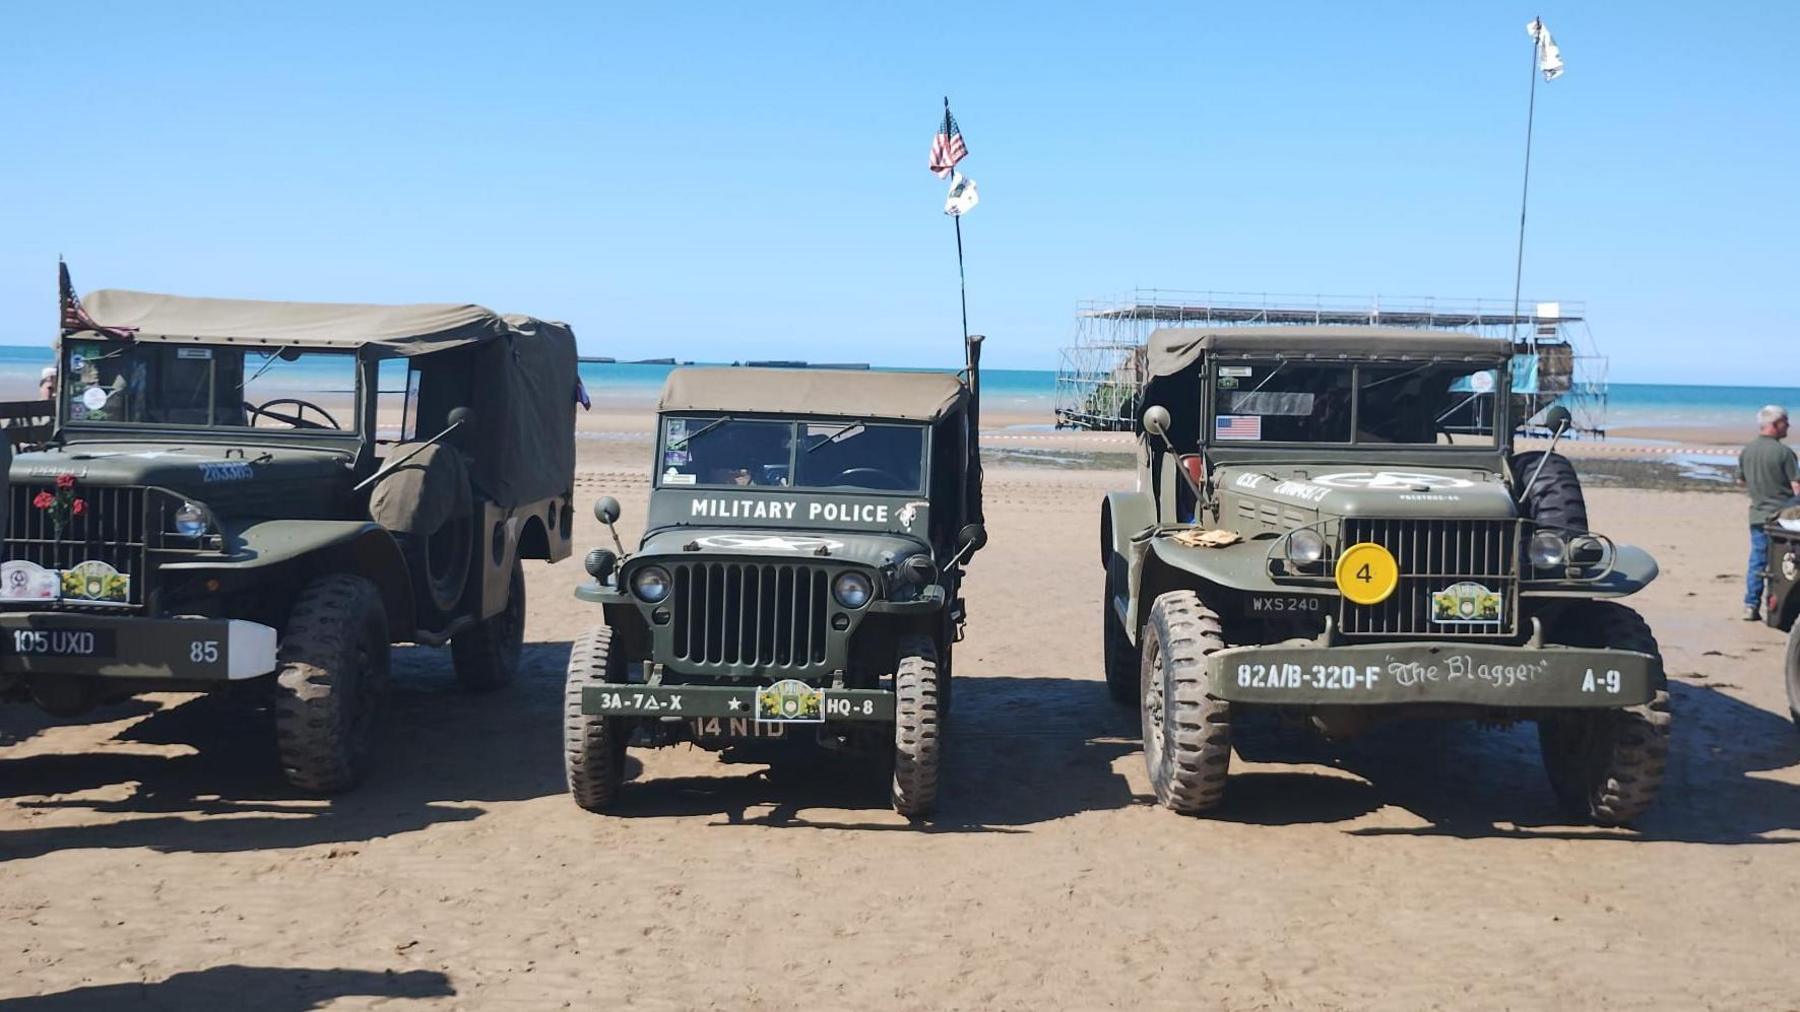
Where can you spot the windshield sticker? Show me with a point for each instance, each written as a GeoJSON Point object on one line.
{"type": "Point", "coordinates": [1392, 481]}
{"type": "Point", "coordinates": [676, 458]}
{"type": "Point", "coordinates": [674, 477]}
{"type": "Point", "coordinates": [94, 397]}
{"type": "Point", "coordinates": [1237, 427]}
{"type": "Point", "coordinates": [1235, 370]}
{"type": "Point", "coordinates": [768, 543]}
{"type": "Point", "coordinates": [77, 411]}
{"type": "Point", "coordinates": [200, 353]}
{"type": "Point", "coordinates": [1292, 403]}
{"type": "Point", "coordinates": [77, 362]}
{"type": "Point", "coordinates": [226, 471]}
{"type": "Point", "coordinates": [1482, 382]}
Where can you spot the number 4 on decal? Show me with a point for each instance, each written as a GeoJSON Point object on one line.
{"type": "Point", "coordinates": [1364, 575]}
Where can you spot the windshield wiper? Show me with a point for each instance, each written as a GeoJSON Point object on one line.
{"type": "Point", "coordinates": [835, 436]}
{"type": "Point", "coordinates": [697, 433]}
{"type": "Point", "coordinates": [265, 367]}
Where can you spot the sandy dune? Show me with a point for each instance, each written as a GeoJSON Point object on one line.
{"type": "Point", "coordinates": [151, 854]}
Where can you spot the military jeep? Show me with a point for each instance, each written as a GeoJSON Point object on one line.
{"type": "Point", "coordinates": [263, 496]}
{"type": "Point", "coordinates": [1781, 604]}
{"type": "Point", "coordinates": [1330, 525]}
{"type": "Point", "coordinates": [799, 576]}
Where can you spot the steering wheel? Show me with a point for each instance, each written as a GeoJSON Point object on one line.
{"type": "Point", "coordinates": [297, 419]}
{"type": "Point", "coordinates": [870, 477]}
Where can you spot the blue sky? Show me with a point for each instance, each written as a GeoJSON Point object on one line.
{"type": "Point", "coordinates": [730, 181]}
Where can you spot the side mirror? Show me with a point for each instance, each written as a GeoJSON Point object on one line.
{"type": "Point", "coordinates": [1558, 419]}
{"type": "Point", "coordinates": [606, 510]}
{"type": "Point", "coordinates": [971, 538]}
{"type": "Point", "coordinates": [459, 416]}
{"type": "Point", "coordinates": [1156, 421]}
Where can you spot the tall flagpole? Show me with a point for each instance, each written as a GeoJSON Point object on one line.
{"type": "Point", "coordinates": [962, 280]}
{"type": "Point", "coordinates": [1525, 189]}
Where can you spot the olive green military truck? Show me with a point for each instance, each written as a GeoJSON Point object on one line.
{"type": "Point", "coordinates": [799, 576]}
{"type": "Point", "coordinates": [1330, 523]}
{"type": "Point", "coordinates": [267, 495]}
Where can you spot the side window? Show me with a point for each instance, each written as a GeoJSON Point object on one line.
{"type": "Point", "coordinates": [396, 401]}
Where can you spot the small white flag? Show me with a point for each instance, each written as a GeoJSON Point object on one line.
{"type": "Point", "coordinates": [1549, 58]}
{"type": "Point", "coordinates": [962, 197]}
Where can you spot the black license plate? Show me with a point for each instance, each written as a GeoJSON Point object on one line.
{"type": "Point", "coordinates": [58, 642]}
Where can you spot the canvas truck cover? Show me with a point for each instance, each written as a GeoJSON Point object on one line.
{"type": "Point", "coordinates": [400, 330]}
{"type": "Point", "coordinates": [832, 393]}
{"type": "Point", "coordinates": [1174, 349]}
{"type": "Point", "coordinates": [523, 444]}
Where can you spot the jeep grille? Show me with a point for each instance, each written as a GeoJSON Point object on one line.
{"type": "Point", "coordinates": [114, 529]}
{"type": "Point", "coordinates": [1434, 555]}
{"type": "Point", "coordinates": [740, 613]}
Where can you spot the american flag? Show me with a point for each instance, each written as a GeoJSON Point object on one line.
{"type": "Point", "coordinates": [947, 148]}
{"type": "Point", "coordinates": [1237, 427]}
{"type": "Point", "coordinates": [76, 319]}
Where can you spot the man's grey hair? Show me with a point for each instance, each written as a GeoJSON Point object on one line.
{"type": "Point", "coordinates": [1770, 414]}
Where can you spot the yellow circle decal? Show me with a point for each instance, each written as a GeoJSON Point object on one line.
{"type": "Point", "coordinates": [1367, 573]}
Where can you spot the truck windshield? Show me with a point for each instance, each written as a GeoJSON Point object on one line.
{"type": "Point", "coordinates": [121, 383]}
{"type": "Point", "coordinates": [1291, 401]}
{"type": "Point", "coordinates": [722, 450]}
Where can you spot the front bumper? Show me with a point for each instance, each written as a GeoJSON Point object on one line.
{"type": "Point", "coordinates": [1380, 674]}
{"type": "Point", "coordinates": [737, 702]}
{"type": "Point", "coordinates": [127, 646]}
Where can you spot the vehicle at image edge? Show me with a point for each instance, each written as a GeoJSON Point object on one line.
{"type": "Point", "coordinates": [198, 521]}
{"type": "Point", "coordinates": [1330, 523]}
{"type": "Point", "coordinates": [1780, 604]}
{"type": "Point", "coordinates": [799, 579]}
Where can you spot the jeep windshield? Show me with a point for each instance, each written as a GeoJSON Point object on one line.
{"type": "Point", "coordinates": [118, 383]}
{"type": "Point", "coordinates": [1273, 400]}
{"type": "Point", "coordinates": [721, 450]}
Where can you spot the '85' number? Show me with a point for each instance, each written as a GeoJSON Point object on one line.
{"type": "Point", "coordinates": [204, 651]}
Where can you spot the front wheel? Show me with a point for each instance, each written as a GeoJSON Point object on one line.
{"type": "Point", "coordinates": [332, 675]}
{"type": "Point", "coordinates": [593, 745]}
{"type": "Point", "coordinates": [1793, 673]}
{"type": "Point", "coordinates": [486, 655]}
{"type": "Point", "coordinates": [1187, 733]}
{"type": "Point", "coordinates": [918, 728]}
{"type": "Point", "coordinates": [1607, 765]}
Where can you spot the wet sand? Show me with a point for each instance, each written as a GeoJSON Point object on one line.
{"type": "Point", "coordinates": [149, 852]}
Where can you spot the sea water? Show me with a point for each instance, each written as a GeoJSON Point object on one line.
{"type": "Point", "coordinates": [1023, 391]}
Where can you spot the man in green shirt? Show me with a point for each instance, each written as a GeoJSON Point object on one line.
{"type": "Point", "coordinates": [1766, 467]}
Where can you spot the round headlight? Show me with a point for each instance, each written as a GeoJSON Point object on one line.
{"type": "Point", "coordinates": [651, 583]}
{"type": "Point", "coordinates": [1305, 546]}
{"type": "Point", "coordinates": [852, 590]}
{"type": "Point", "coordinates": [1546, 550]}
{"type": "Point", "coordinates": [190, 520]}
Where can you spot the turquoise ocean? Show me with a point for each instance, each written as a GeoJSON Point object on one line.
{"type": "Point", "coordinates": [1034, 391]}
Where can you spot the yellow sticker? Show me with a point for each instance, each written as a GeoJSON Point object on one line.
{"type": "Point", "coordinates": [1367, 573]}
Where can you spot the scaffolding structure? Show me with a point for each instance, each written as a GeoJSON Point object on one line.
{"type": "Point", "coordinates": [1100, 374]}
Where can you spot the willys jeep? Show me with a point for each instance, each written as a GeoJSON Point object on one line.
{"type": "Point", "coordinates": [799, 576]}
{"type": "Point", "coordinates": [266, 494]}
{"type": "Point", "coordinates": [1330, 524]}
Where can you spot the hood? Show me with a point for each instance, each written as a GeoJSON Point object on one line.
{"type": "Point", "coordinates": [199, 470]}
{"type": "Point", "coordinates": [1449, 493]}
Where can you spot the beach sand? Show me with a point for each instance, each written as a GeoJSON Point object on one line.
{"type": "Point", "coordinates": [149, 852]}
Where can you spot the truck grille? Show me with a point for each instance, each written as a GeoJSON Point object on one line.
{"type": "Point", "coordinates": [1433, 556]}
{"type": "Point", "coordinates": [738, 613]}
{"type": "Point", "coordinates": [112, 529]}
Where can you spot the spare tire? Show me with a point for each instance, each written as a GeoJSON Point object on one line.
{"type": "Point", "coordinates": [1554, 497]}
{"type": "Point", "coordinates": [427, 505]}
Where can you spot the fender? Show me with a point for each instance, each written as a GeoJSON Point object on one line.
{"type": "Point", "coordinates": [1123, 515]}
{"type": "Point", "coordinates": [355, 546]}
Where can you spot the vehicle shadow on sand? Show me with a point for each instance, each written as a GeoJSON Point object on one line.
{"type": "Point", "coordinates": [1470, 782]}
{"type": "Point", "coordinates": [441, 755]}
{"type": "Point", "coordinates": [266, 988]}
{"type": "Point", "coordinates": [1019, 751]}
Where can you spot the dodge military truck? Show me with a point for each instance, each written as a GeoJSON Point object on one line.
{"type": "Point", "coordinates": [266, 495]}
{"type": "Point", "coordinates": [799, 577]}
{"type": "Point", "coordinates": [1331, 524]}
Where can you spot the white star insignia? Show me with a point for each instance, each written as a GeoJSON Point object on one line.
{"type": "Point", "coordinates": [734, 704]}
